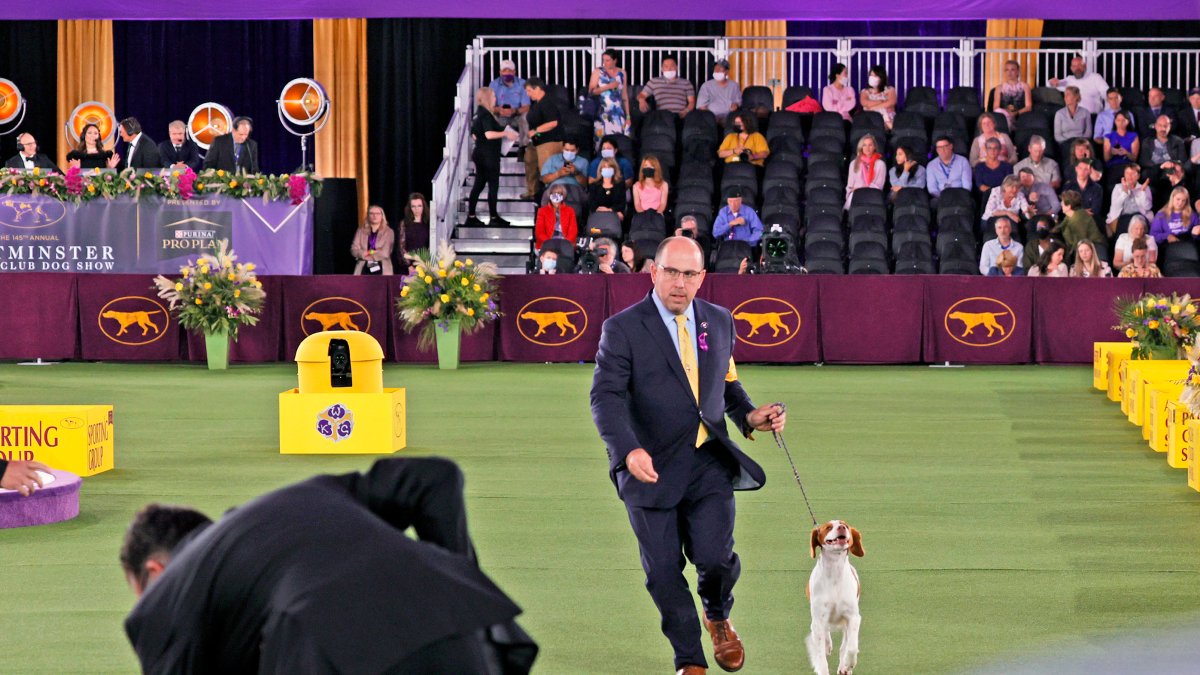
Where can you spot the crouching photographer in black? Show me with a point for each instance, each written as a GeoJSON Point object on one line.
{"type": "Point", "coordinates": [599, 256]}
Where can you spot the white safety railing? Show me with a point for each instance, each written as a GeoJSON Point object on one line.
{"type": "Point", "coordinates": [456, 157]}
{"type": "Point", "coordinates": [778, 62]}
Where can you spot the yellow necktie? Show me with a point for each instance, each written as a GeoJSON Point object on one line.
{"type": "Point", "coordinates": [688, 356]}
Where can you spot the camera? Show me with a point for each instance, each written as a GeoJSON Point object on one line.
{"type": "Point", "coordinates": [340, 374]}
{"type": "Point", "coordinates": [686, 232]}
{"type": "Point", "coordinates": [744, 156]}
{"type": "Point", "coordinates": [588, 260]}
{"type": "Point", "coordinates": [779, 252]}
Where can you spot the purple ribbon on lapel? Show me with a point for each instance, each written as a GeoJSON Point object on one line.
{"type": "Point", "coordinates": [703, 338]}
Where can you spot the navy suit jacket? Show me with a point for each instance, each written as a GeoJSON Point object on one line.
{"type": "Point", "coordinates": [146, 155]}
{"type": "Point", "coordinates": [641, 399]}
{"type": "Point", "coordinates": [220, 155]}
{"type": "Point", "coordinates": [189, 154]}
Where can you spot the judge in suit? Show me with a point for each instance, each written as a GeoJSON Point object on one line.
{"type": "Point", "coordinates": [664, 380]}
{"type": "Point", "coordinates": [234, 152]}
{"type": "Point", "coordinates": [179, 151]}
{"type": "Point", "coordinates": [319, 577]}
{"type": "Point", "coordinates": [28, 157]}
{"type": "Point", "coordinates": [141, 152]}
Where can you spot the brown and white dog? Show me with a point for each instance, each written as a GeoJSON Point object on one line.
{"type": "Point", "coordinates": [833, 592]}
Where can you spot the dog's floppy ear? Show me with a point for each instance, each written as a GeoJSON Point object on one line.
{"type": "Point", "coordinates": [856, 543]}
{"type": "Point", "coordinates": [816, 541]}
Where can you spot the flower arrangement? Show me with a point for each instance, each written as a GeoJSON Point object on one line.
{"type": "Point", "coordinates": [441, 289]}
{"type": "Point", "coordinates": [215, 293]}
{"type": "Point", "coordinates": [81, 186]}
{"type": "Point", "coordinates": [1162, 326]}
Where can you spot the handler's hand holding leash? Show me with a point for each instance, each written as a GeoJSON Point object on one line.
{"type": "Point", "coordinates": [783, 444]}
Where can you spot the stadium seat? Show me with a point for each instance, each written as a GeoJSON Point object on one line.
{"type": "Point", "coordinates": [694, 193]}
{"type": "Point", "coordinates": [953, 126]}
{"type": "Point", "coordinates": [729, 256]}
{"type": "Point", "coordinates": [781, 193]}
{"type": "Point", "coordinates": [818, 265]}
{"type": "Point", "coordinates": [1132, 97]}
{"type": "Point", "coordinates": [789, 222]}
{"type": "Point", "coordinates": [958, 266]}
{"type": "Point", "coordinates": [1176, 98]}
{"type": "Point", "coordinates": [781, 171]}
{"type": "Point", "coordinates": [796, 93]}
{"type": "Point", "coordinates": [827, 123]}
{"type": "Point", "coordinates": [758, 98]}
{"type": "Point", "coordinates": [868, 201]}
{"type": "Point", "coordinates": [785, 139]}
{"type": "Point", "coordinates": [607, 222]}
{"type": "Point", "coordinates": [660, 121]}
{"type": "Point", "coordinates": [1047, 100]}
{"type": "Point", "coordinates": [648, 226]}
{"type": "Point", "coordinates": [825, 196]}
{"type": "Point", "coordinates": [1180, 259]}
{"type": "Point", "coordinates": [965, 102]}
{"type": "Point", "coordinates": [784, 119]}
{"type": "Point", "coordinates": [923, 101]}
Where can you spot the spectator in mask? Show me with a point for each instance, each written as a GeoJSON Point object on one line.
{"type": "Point", "coordinates": [651, 191]}
{"type": "Point", "coordinates": [566, 167]}
{"type": "Point", "coordinates": [838, 96]}
{"type": "Point", "coordinates": [608, 192]}
{"type": "Point", "coordinates": [556, 218]}
{"type": "Point", "coordinates": [1038, 241]}
{"type": "Point", "coordinates": [548, 262]}
{"type": "Point", "coordinates": [878, 96]}
{"type": "Point", "coordinates": [512, 101]}
{"type": "Point", "coordinates": [670, 92]}
{"type": "Point", "coordinates": [743, 143]}
{"type": "Point", "coordinates": [720, 95]}
{"type": "Point", "coordinates": [609, 150]}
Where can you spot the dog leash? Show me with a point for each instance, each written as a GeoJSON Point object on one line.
{"type": "Point", "coordinates": [783, 444]}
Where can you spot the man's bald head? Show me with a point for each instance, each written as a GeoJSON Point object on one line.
{"type": "Point", "coordinates": [680, 244]}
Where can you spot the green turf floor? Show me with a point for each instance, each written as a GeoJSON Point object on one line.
{"type": "Point", "coordinates": [1003, 510]}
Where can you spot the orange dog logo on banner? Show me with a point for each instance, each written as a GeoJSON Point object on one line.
{"type": "Point", "coordinates": [335, 313]}
{"type": "Point", "coordinates": [980, 322]}
{"type": "Point", "coordinates": [754, 317]}
{"type": "Point", "coordinates": [552, 321]}
{"type": "Point", "coordinates": [133, 320]}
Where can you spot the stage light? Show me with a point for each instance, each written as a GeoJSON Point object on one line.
{"type": "Point", "coordinates": [303, 103]}
{"type": "Point", "coordinates": [208, 121]}
{"type": "Point", "coordinates": [91, 112]}
{"type": "Point", "coordinates": [12, 103]}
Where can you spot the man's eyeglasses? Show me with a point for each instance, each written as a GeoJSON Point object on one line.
{"type": "Point", "coordinates": [688, 275]}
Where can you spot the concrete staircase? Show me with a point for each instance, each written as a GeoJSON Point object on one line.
{"type": "Point", "coordinates": [507, 247]}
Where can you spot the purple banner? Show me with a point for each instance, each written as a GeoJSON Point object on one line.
{"type": "Point", "coordinates": [979, 320]}
{"type": "Point", "coordinates": [576, 9]}
{"type": "Point", "coordinates": [1071, 314]}
{"type": "Point", "coordinates": [552, 319]}
{"type": "Point", "coordinates": [626, 290]}
{"type": "Point", "coordinates": [40, 314]}
{"type": "Point", "coordinates": [151, 235]}
{"type": "Point", "coordinates": [122, 319]}
{"type": "Point", "coordinates": [775, 322]}
{"type": "Point", "coordinates": [871, 319]}
{"type": "Point", "coordinates": [314, 304]}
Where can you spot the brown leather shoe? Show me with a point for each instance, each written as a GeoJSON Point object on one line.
{"type": "Point", "coordinates": [691, 670]}
{"type": "Point", "coordinates": [727, 646]}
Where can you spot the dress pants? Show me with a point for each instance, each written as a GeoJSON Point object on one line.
{"type": "Point", "coordinates": [700, 527]}
{"type": "Point", "coordinates": [487, 172]}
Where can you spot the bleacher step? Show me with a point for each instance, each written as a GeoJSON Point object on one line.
{"type": "Point", "coordinates": [521, 233]}
{"type": "Point", "coordinates": [491, 245]}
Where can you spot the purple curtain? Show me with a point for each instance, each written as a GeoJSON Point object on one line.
{"type": "Point", "coordinates": [164, 69]}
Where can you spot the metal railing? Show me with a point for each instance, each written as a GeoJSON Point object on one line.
{"type": "Point", "coordinates": [778, 62]}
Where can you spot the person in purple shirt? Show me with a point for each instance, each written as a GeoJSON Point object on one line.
{"type": "Point", "coordinates": [1177, 221]}
{"type": "Point", "coordinates": [737, 221]}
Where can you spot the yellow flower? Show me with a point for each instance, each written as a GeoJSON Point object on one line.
{"type": "Point", "coordinates": [477, 288]}
{"type": "Point", "coordinates": [470, 312]}
{"type": "Point", "coordinates": [149, 175]}
{"type": "Point", "coordinates": [233, 183]}
{"type": "Point", "coordinates": [237, 294]}
{"type": "Point", "coordinates": [220, 173]}
{"type": "Point", "coordinates": [465, 281]}
{"type": "Point", "coordinates": [185, 272]}
{"type": "Point", "coordinates": [207, 286]}
{"type": "Point", "coordinates": [174, 174]}
{"type": "Point", "coordinates": [483, 298]}
{"type": "Point", "coordinates": [199, 301]}
{"type": "Point", "coordinates": [96, 171]}
{"type": "Point", "coordinates": [470, 262]}
{"type": "Point", "coordinates": [428, 279]}
{"type": "Point", "coordinates": [445, 298]}
{"type": "Point", "coordinates": [284, 176]}
{"type": "Point", "coordinates": [404, 292]}
{"type": "Point", "coordinates": [260, 181]}
{"type": "Point", "coordinates": [42, 182]}
{"type": "Point", "coordinates": [1149, 303]}
{"type": "Point", "coordinates": [1153, 325]}
{"type": "Point", "coordinates": [258, 284]}
{"type": "Point", "coordinates": [178, 286]}
{"type": "Point", "coordinates": [1175, 309]}
{"type": "Point", "coordinates": [37, 171]}
{"type": "Point", "coordinates": [199, 186]}
{"type": "Point", "coordinates": [1129, 332]}
{"type": "Point", "coordinates": [91, 188]}
{"type": "Point", "coordinates": [232, 276]}
{"type": "Point", "coordinates": [442, 273]}
{"type": "Point", "coordinates": [458, 263]}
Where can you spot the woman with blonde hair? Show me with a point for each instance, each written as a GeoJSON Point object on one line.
{"type": "Point", "coordinates": [1012, 97]}
{"type": "Point", "coordinates": [987, 131]}
{"type": "Point", "coordinates": [487, 132]}
{"type": "Point", "coordinates": [373, 242]}
{"type": "Point", "coordinates": [1087, 263]}
{"type": "Point", "coordinates": [607, 193]}
{"type": "Point", "coordinates": [867, 170]}
{"type": "Point", "coordinates": [651, 190]}
{"type": "Point", "coordinates": [1176, 221]}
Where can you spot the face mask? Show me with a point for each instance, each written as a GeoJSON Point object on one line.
{"type": "Point", "coordinates": [509, 79]}
{"type": "Point", "coordinates": [607, 172]}
{"type": "Point", "coordinates": [549, 264]}
{"type": "Point", "coordinates": [608, 154]}
{"type": "Point", "coordinates": [719, 77]}
{"type": "Point", "coordinates": [873, 80]}
{"type": "Point", "coordinates": [670, 74]}
{"type": "Point", "coordinates": [648, 172]}
{"type": "Point", "coordinates": [568, 155]}
{"type": "Point", "coordinates": [556, 198]}
{"type": "Point", "coordinates": [844, 79]}
{"type": "Point", "coordinates": [739, 128]}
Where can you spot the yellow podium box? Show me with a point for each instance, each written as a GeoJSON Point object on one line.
{"type": "Point", "coordinates": [1178, 435]}
{"type": "Point", "coordinates": [1100, 352]}
{"type": "Point", "coordinates": [1140, 373]}
{"type": "Point", "coordinates": [1189, 448]}
{"type": "Point", "coordinates": [342, 424]}
{"type": "Point", "coordinates": [1193, 471]}
{"type": "Point", "coordinates": [1115, 359]}
{"type": "Point", "coordinates": [1158, 394]}
{"type": "Point", "coordinates": [75, 438]}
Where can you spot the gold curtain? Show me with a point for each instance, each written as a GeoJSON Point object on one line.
{"type": "Point", "coordinates": [85, 69]}
{"type": "Point", "coordinates": [759, 66]}
{"type": "Point", "coordinates": [1000, 44]}
{"type": "Point", "coordinates": [340, 65]}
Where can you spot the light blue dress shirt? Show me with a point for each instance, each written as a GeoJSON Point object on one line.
{"type": "Point", "coordinates": [668, 318]}
{"type": "Point", "coordinates": [938, 176]}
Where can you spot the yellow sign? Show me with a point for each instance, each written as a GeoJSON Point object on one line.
{"type": "Point", "coordinates": [754, 317]}
{"type": "Point", "coordinates": [342, 423]}
{"type": "Point", "coordinates": [1178, 434]}
{"type": "Point", "coordinates": [1100, 352]}
{"type": "Point", "coordinates": [552, 321]}
{"type": "Point", "coordinates": [133, 320]}
{"type": "Point", "coordinates": [335, 313]}
{"type": "Point", "coordinates": [75, 438]}
{"type": "Point", "coordinates": [980, 322]}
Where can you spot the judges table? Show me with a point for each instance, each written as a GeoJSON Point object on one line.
{"type": "Point", "coordinates": [151, 234]}
{"type": "Point", "coordinates": [778, 319]}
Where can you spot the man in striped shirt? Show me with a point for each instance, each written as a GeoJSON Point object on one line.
{"type": "Point", "coordinates": [670, 91]}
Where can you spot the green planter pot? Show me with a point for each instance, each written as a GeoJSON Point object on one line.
{"type": "Point", "coordinates": [448, 342]}
{"type": "Point", "coordinates": [217, 346]}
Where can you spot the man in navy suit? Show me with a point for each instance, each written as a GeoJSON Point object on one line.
{"type": "Point", "coordinates": [179, 151]}
{"type": "Point", "coordinates": [234, 152]}
{"type": "Point", "coordinates": [664, 378]}
{"type": "Point", "coordinates": [141, 152]}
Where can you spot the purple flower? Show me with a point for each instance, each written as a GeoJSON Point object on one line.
{"type": "Point", "coordinates": [703, 339]}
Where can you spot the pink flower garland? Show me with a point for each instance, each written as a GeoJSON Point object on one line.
{"type": "Point", "coordinates": [187, 181]}
{"type": "Point", "coordinates": [297, 189]}
{"type": "Point", "coordinates": [74, 181]}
